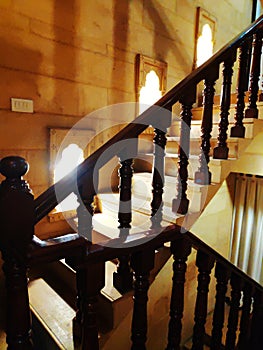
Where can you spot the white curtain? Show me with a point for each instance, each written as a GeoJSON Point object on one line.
{"type": "Point", "coordinates": [246, 250]}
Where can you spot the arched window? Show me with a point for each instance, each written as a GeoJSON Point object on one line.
{"type": "Point", "coordinates": [204, 37]}
{"type": "Point", "coordinates": [71, 156]}
{"type": "Point", "coordinates": [150, 81]}
{"type": "Point", "coordinates": [68, 148]}
{"type": "Point", "coordinates": [204, 45]}
{"type": "Point", "coordinates": [150, 92]}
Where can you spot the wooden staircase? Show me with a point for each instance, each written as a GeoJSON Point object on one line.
{"type": "Point", "coordinates": [162, 217]}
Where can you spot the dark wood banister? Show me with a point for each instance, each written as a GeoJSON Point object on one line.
{"type": "Point", "coordinates": [47, 201]}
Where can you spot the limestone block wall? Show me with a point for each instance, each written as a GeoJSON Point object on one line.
{"type": "Point", "coordinates": [74, 57]}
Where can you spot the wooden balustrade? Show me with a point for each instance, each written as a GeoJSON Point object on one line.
{"type": "Point", "coordinates": [19, 212]}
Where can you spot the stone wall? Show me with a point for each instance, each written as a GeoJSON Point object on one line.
{"type": "Point", "coordinates": [74, 57]}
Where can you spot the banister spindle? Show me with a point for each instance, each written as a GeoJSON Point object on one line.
{"type": "Point", "coordinates": [17, 228]}
{"type": "Point", "coordinates": [238, 130]}
{"type": "Point", "coordinates": [205, 264]}
{"type": "Point", "coordinates": [162, 122]}
{"type": "Point", "coordinates": [90, 280]}
{"type": "Point", "coordinates": [142, 263]}
{"type": "Point", "coordinates": [180, 249]}
{"type": "Point", "coordinates": [181, 202]}
{"type": "Point", "coordinates": [85, 210]}
{"type": "Point", "coordinates": [236, 285]}
{"type": "Point", "coordinates": [203, 175]}
{"type": "Point", "coordinates": [245, 324]}
{"type": "Point", "coordinates": [252, 110]}
{"type": "Point", "coordinates": [122, 279]}
{"type": "Point", "coordinates": [222, 277]}
{"type": "Point", "coordinates": [256, 337]}
{"type": "Point", "coordinates": [221, 151]}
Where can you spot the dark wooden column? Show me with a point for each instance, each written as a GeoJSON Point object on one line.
{"type": "Point", "coordinates": [17, 228]}
{"type": "Point", "coordinates": [245, 324]}
{"type": "Point", "coordinates": [236, 286]}
{"type": "Point", "coordinates": [252, 110]}
{"type": "Point", "coordinates": [221, 151]}
{"type": "Point", "coordinates": [256, 337]}
{"type": "Point", "coordinates": [180, 249]}
{"type": "Point", "coordinates": [238, 130]}
{"type": "Point", "coordinates": [142, 263]}
{"type": "Point", "coordinates": [87, 190]}
{"type": "Point", "coordinates": [181, 202]}
{"type": "Point", "coordinates": [158, 177]}
{"type": "Point", "coordinates": [205, 264]}
{"type": "Point", "coordinates": [203, 175]}
{"type": "Point", "coordinates": [161, 123]}
{"type": "Point", "coordinates": [222, 277]}
{"type": "Point", "coordinates": [122, 279]}
{"type": "Point", "coordinates": [90, 280]}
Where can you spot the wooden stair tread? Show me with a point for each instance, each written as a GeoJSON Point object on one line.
{"type": "Point", "coordinates": [53, 312]}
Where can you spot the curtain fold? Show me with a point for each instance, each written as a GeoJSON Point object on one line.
{"type": "Point", "coordinates": [246, 250]}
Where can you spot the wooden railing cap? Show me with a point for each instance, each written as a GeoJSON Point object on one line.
{"type": "Point", "coordinates": [13, 167]}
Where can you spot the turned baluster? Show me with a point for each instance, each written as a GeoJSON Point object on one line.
{"type": "Point", "coordinates": [90, 280]}
{"type": "Point", "coordinates": [222, 277]}
{"type": "Point", "coordinates": [122, 279]}
{"type": "Point", "coordinates": [256, 337]}
{"type": "Point", "coordinates": [17, 228]}
{"type": "Point", "coordinates": [236, 286]}
{"type": "Point", "coordinates": [243, 339]}
{"type": "Point", "coordinates": [238, 130]}
{"type": "Point", "coordinates": [181, 202]}
{"type": "Point", "coordinates": [180, 249]}
{"type": "Point", "coordinates": [142, 263]}
{"type": "Point", "coordinates": [205, 264]}
{"type": "Point", "coordinates": [158, 177]}
{"type": "Point", "coordinates": [252, 110]}
{"type": "Point", "coordinates": [221, 151]}
{"type": "Point", "coordinates": [161, 123]}
{"type": "Point", "coordinates": [85, 211]}
{"type": "Point", "coordinates": [203, 175]}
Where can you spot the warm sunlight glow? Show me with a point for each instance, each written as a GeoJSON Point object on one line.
{"type": "Point", "coordinates": [204, 45]}
{"type": "Point", "coordinates": [72, 156]}
{"type": "Point", "coordinates": [150, 93]}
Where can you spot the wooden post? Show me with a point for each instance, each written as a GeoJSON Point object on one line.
{"type": "Point", "coordinates": [221, 151]}
{"type": "Point", "coordinates": [180, 249]}
{"type": "Point", "coordinates": [90, 280]}
{"type": "Point", "coordinates": [142, 263]}
{"type": "Point", "coordinates": [181, 202]}
{"type": "Point", "coordinates": [203, 175]}
{"type": "Point", "coordinates": [17, 228]}
{"type": "Point", "coordinates": [252, 110]}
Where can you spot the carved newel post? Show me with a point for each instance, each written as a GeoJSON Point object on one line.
{"type": "Point", "coordinates": [17, 226]}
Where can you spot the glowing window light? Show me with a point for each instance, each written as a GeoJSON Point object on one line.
{"type": "Point", "coordinates": [204, 45]}
{"type": "Point", "coordinates": [150, 92]}
{"type": "Point", "coordinates": [71, 156]}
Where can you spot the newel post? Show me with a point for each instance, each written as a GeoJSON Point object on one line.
{"type": "Point", "coordinates": [17, 225]}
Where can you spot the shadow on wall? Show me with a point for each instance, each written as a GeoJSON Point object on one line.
{"type": "Point", "coordinates": [19, 66]}
{"type": "Point", "coordinates": [165, 29]}
{"type": "Point", "coordinates": [165, 40]}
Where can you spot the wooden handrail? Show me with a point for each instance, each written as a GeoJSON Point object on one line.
{"type": "Point", "coordinates": [47, 201]}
